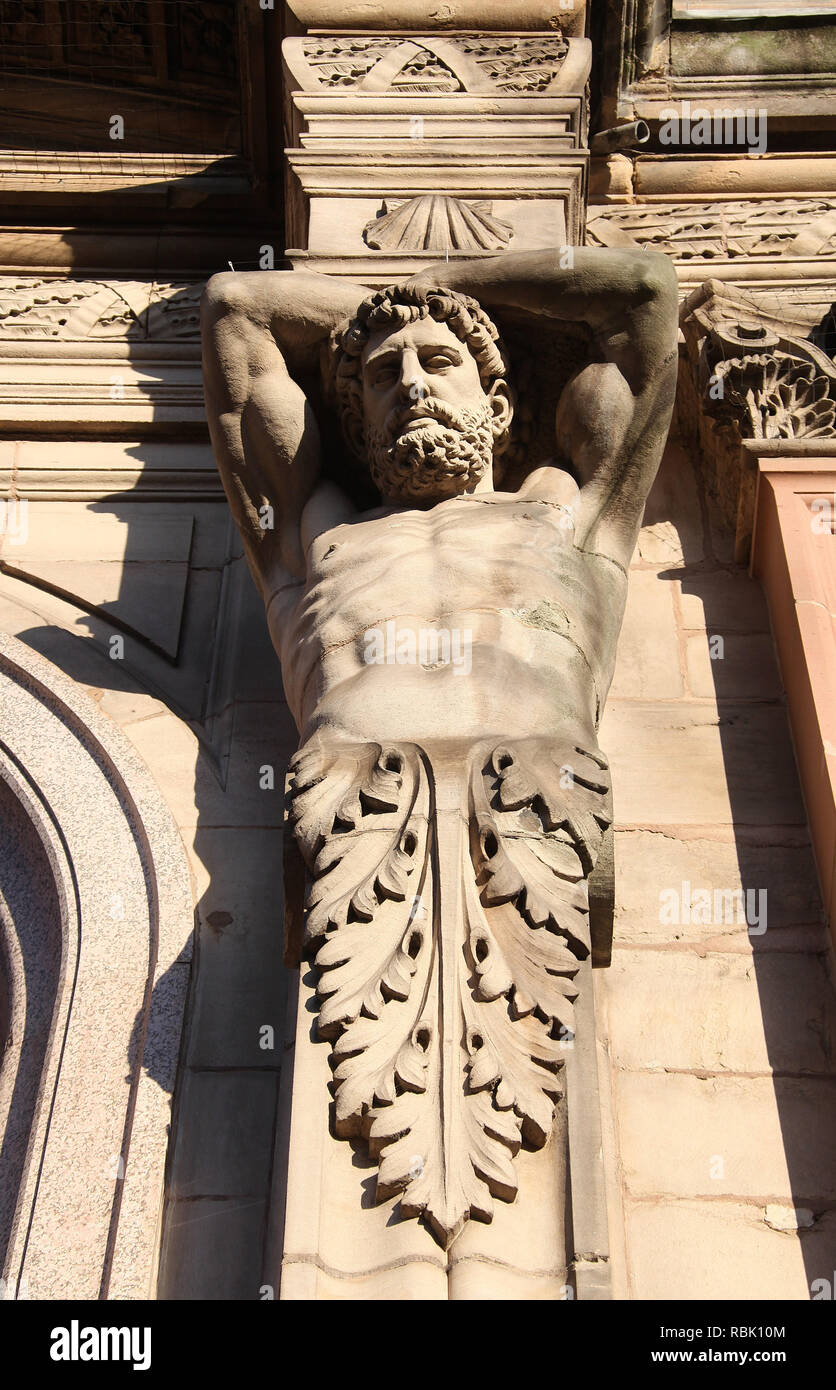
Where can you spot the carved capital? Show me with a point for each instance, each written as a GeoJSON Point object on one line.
{"type": "Point", "coordinates": [482, 134]}
{"type": "Point", "coordinates": [750, 375]}
{"type": "Point", "coordinates": [745, 383]}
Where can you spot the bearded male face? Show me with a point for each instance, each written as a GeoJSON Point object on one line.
{"type": "Point", "coordinates": [430, 428]}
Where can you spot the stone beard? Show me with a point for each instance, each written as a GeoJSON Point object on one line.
{"type": "Point", "coordinates": [429, 428]}
{"type": "Point", "coordinates": [430, 452]}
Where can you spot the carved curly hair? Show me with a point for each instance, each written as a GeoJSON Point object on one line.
{"type": "Point", "coordinates": [396, 306]}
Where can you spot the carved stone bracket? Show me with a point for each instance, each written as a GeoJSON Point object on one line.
{"type": "Point", "coordinates": [744, 379]}
{"type": "Point", "coordinates": [447, 915]}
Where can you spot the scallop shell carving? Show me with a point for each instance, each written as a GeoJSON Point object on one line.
{"type": "Point", "coordinates": [437, 223]}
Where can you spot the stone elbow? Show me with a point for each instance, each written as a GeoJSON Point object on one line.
{"type": "Point", "coordinates": [223, 292]}
{"type": "Point", "coordinates": [658, 277]}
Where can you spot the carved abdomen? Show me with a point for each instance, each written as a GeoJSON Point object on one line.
{"type": "Point", "coordinates": [481, 614]}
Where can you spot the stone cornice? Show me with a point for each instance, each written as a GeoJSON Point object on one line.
{"type": "Point", "coordinates": [453, 14]}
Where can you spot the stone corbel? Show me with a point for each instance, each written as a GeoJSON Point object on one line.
{"type": "Point", "coordinates": [746, 388]}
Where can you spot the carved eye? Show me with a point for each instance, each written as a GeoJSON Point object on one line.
{"type": "Point", "coordinates": [384, 377]}
{"type": "Point", "coordinates": [438, 362]}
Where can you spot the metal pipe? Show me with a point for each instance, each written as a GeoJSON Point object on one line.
{"type": "Point", "coordinates": [620, 137]}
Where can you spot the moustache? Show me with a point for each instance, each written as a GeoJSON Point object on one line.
{"type": "Point", "coordinates": [430, 409]}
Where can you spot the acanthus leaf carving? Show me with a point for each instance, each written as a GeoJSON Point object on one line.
{"type": "Point", "coordinates": [750, 374]}
{"type": "Point", "coordinates": [447, 955]}
{"type": "Point", "coordinates": [355, 819]}
{"type": "Point", "coordinates": [776, 396]}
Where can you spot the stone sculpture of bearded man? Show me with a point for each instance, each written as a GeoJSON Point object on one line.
{"type": "Point", "coordinates": [447, 820]}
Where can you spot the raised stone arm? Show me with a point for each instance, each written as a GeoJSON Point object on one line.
{"type": "Point", "coordinates": [613, 415]}
{"type": "Point", "coordinates": [261, 331]}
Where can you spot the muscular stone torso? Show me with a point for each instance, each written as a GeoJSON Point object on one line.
{"type": "Point", "coordinates": [541, 614]}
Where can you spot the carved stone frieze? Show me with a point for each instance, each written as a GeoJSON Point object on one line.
{"type": "Point", "coordinates": [510, 65]}
{"type": "Point", "coordinates": [347, 62]}
{"type": "Point", "coordinates": [797, 228]}
{"type": "Point", "coordinates": [517, 65]}
{"type": "Point", "coordinates": [121, 39]}
{"type": "Point", "coordinates": [447, 951]}
{"type": "Point", "coordinates": [437, 223]}
{"type": "Point", "coordinates": [36, 308]}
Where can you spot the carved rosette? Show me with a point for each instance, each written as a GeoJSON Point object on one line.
{"type": "Point", "coordinates": [447, 915]}
{"type": "Point", "coordinates": [776, 396]}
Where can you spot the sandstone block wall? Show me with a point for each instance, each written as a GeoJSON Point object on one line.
{"type": "Point", "coordinates": [717, 1039]}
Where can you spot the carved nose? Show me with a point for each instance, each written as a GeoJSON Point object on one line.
{"type": "Point", "coordinates": [411, 385]}
{"type": "Point", "coordinates": [406, 386]}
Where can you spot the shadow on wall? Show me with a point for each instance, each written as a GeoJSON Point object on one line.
{"type": "Point", "coordinates": [729, 656]}
{"type": "Point", "coordinates": [143, 598]}
{"type": "Point", "coordinates": [228, 1076]}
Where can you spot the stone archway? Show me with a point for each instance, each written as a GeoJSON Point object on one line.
{"type": "Point", "coordinates": [95, 906]}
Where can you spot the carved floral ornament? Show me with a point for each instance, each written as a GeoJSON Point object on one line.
{"type": "Point", "coordinates": [502, 64]}
{"type": "Point", "coordinates": [751, 375]}
{"type": "Point", "coordinates": [35, 308]}
{"type": "Point", "coordinates": [447, 954]}
{"type": "Point", "coordinates": [798, 228]}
